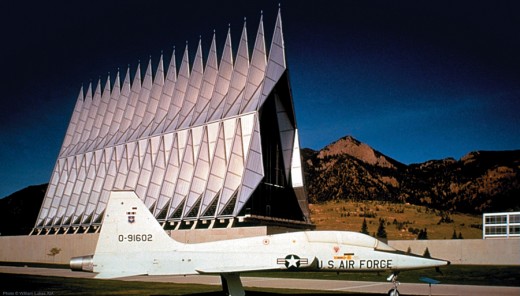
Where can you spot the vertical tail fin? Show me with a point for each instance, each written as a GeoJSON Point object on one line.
{"type": "Point", "coordinates": [128, 235]}
{"type": "Point", "coordinates": [129, 226]}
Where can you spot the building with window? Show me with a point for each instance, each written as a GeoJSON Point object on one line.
{"type": "Point", "coordinates": [501, 225]}
{"type": "Point", "coordinates": [210, 144]}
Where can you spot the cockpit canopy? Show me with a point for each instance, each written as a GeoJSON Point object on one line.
{"type": "Point", "coordinates": [347, 237]}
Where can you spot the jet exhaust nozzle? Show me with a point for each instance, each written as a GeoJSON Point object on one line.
{"type": "Point", "coordinates": [83, 263]}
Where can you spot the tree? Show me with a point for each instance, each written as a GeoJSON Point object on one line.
{"type": "Point", "coordinates": [364, 227]}
{"type": "Point", "coordinates": [423, 234]}
{"type": "Point", "coordinates": [427, 253]}
{"type": "Point", "coordinates": [381, 231]}
{"type": "Point", "coordinates": [454, 235]}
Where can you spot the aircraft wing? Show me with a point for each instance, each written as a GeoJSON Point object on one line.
{"type": "Point", "coordinates": [113, 275]}
{"type": "Point", "coordinates": [233, 269]}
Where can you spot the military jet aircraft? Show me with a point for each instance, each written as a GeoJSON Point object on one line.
{"type": "Point", "coordinates": [132, 242]}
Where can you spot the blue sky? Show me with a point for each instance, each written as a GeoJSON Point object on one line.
{"type": "Point", "coordinates": [416, 81]}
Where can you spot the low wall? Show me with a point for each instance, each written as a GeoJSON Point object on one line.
{"type": "Point", "coordinates": [37, 248]}
{"type": "Point", "coordinates": [466, 251]}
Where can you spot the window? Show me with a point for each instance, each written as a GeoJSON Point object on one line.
{"type": "Point", "coordinates": [501, 225]}
{"type": "Point", "coordinates": [515, 229]}
{"type": "Point", "coordinates": [515, 218]}
{"type": "Point", "coordinates": [496, 230]}
{"type": "Point", "coordinates": [501, 219]}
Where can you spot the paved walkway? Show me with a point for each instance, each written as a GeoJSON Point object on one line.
{"type": "Point", "coordinates": [305, 284]}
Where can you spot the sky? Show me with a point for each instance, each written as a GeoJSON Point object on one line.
{"type": "Point", "coordinates": [415, 80]}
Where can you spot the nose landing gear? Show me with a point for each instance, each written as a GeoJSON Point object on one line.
{"type": "Point", "coordinates": [395, 283]}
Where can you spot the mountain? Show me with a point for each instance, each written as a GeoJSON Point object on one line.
{"type": "Point", "coordinates": [349, 145]}
{"type": "Point", "coordinates": [482, 181]}
{"type": "Point", "coordinates": [19, 210]}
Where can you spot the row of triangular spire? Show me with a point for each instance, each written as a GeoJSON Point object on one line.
{"type": "Point", "coordinates": [148, 106]}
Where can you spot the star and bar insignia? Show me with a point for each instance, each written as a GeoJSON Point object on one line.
{"type": "Point", "coordinates": [292, 261]}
